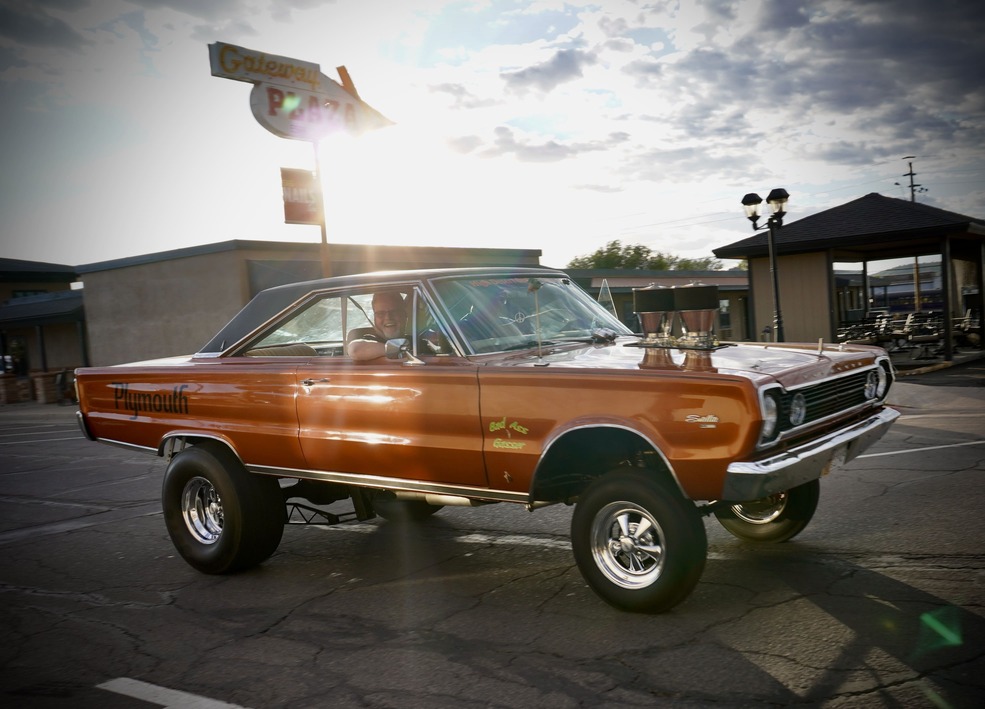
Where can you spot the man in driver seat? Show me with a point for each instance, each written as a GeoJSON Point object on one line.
{"type": "Point", "coordinates": [389, 320]}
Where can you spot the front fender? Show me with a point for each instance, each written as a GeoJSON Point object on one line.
{"type": "Point", "coordinates": [583, 450]}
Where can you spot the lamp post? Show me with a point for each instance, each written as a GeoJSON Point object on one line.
{"type": "Point", "coordinates": [777, 201]}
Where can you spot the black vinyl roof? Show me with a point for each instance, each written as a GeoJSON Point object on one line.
{"type": "Point", "coordinates": [268, 303]}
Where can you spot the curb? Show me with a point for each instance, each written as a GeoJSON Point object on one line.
{"type": "Point", "coordinates": [924, 370]}
{"type": "Point", "coordinates": [937, 366]}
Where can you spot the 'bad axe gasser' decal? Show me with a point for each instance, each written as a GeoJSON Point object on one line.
{"type": "Point", "coordinates": [508, 443]}
{"type": "Point", "coordinates": [174, 402]}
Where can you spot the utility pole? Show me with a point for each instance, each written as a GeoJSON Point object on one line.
{"type": "Point", "coordinates": [911, 174]}
{"type": "Point", "coordinates": [916, 261]}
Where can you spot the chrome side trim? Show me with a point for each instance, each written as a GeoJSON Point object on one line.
{"type": "Point", "coordinates": [385, 483]}
{"type": "Point", "coordinates": [371, 481]}
{"type": "Point", "coordinates": [753, 480]}
{"type": "Point", "coordinates": [170, 438]}
{"type": "Point", "coordinates": [128, 446]}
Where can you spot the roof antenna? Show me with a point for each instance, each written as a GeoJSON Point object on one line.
{"type": "Point", "coordinates": [533, 286]}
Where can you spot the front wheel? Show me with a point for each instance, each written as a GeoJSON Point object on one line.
{"type": "Point", "coordinates": [638, 542]}
{"type": "Point", "coordinates": [775, 518]}
{"type": "Point", "coordinates": [221, 518]}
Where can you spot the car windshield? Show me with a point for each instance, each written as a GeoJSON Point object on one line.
{"type": "Point", "coordinates": [498, 314]}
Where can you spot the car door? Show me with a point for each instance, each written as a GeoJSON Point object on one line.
{"type": "Point", "coordinates": [414, 418]}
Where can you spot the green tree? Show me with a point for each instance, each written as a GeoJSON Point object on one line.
{"type": "Point", "coordinates": [636, 256]}
{"type": "Point", "coordinates": [697, 264]}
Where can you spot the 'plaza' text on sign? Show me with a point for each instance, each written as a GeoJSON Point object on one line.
{"type": "Point", "coordinates": [292, 98]}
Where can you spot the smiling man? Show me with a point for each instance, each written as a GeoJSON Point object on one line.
{"type": "Point", "coordinates": [389, 320]}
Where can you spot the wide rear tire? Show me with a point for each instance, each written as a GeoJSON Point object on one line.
{"type": "Point", "coordinates": [638, 542]}
{"type": "Point", "coordinates": [220, 517]}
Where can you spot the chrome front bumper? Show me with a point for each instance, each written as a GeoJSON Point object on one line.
{"type": "Point", "coordinates": [754, 480]}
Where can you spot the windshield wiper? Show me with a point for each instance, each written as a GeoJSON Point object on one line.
{"type": "Point", "coordinates": [530, 344]}
{"type": "Point", "coordinates": [598, 336]}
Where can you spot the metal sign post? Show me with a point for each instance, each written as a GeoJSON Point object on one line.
{"type": "Point", "coordinates": [326, 264]}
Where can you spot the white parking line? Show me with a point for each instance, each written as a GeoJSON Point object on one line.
{"type": "Point", "coordinates": [162, 695]}
{"type": "Point", "coordinates": [920, 450]}
{"type": "Point", "coordinates": [24, 431]}
{"type": "Point", "coordinates": [40, 440]}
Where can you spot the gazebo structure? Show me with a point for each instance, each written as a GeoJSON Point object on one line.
{"type": "Point", "coordinates": [871, 228]}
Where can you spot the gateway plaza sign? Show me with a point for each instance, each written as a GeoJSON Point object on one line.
{"type": "Point", "coordinates": [292, 98]}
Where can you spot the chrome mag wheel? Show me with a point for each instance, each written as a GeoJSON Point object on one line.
{"type": "Point", "coordinates": [761, 511]}
{"type": "Point", "coordinates": [201, 509]}
{"type": "Point", "coordinates": [628, 545]}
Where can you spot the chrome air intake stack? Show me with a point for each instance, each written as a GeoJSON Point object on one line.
{"type": "Point", "coordinates": [698, 308]}
{"type": "Point", "coordinates": [655, 307]}
{"type": "Point", "coordinates": [658, 309]}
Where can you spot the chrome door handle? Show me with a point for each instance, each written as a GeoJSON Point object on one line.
{"type": "Point", "coordinates": [311, 382]}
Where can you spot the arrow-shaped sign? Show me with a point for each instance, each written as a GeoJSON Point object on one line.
{"type": "Point", "coordinates": [292, 98]}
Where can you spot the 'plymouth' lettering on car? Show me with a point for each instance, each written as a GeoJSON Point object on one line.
{"type": "Point", "coordinates": [174, 403]}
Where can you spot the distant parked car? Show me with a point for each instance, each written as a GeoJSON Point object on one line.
{"type": "Point", "coordinates": [507, 386]}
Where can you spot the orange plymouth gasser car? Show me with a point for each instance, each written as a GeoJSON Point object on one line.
{"type": "Point", "coordinates": [492, 385]}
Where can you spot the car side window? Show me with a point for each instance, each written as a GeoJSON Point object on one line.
{"type": "Point", "coordinates": [315, 330]}
{"type": "Point", "coordinates": [323, 326]}
{"type": "Point", "coordinates": [422, 326]}
{"type": "Point", "coordinates": [359, 311]}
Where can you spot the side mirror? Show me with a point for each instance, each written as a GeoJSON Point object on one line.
{"type": "Point", "coordinates": [399, 348]}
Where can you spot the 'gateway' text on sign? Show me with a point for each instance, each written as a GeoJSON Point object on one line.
{"type": "Point", "coordinates": [241, 64]}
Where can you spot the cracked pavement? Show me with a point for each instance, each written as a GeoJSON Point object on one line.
{"type": "Point", "coordinates": [880, 602]}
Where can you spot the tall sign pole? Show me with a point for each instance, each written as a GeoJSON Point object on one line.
{"type": "Point", "coordinates": [292, 99]}
{"type": "Point", "coordinates": [326, 263]}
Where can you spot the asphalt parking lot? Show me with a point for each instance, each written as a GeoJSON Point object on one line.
{"type": "Point", "coordinates": [880, 602]}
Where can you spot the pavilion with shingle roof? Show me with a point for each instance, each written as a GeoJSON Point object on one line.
{"type": "Point", "coordinates": [870, 228]}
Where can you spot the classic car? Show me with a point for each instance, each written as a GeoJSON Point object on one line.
{"type": "Point", "coordinates": [508, 385]}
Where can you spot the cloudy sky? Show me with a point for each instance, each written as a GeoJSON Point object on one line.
{"type": "Point", "coordinates": [550, 124]}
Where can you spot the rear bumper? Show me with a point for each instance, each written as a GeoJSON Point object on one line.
{"type": "Point", "coordinates": [753, 480]}
{"type": "Point", "coordinates": [81, 420]}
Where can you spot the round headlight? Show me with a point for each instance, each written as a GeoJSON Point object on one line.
{"type": "Point", "coordinates": [883, 382]}
{"type": "Point", "coordinates": [798, 409]}
{"type": "Point", "coordinates": [872, 384]}
{"type": "Point", "coordinates": [770, 416]}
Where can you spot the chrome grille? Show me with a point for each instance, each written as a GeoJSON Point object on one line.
{"type": "Point", "coordinates": [826, 398]}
